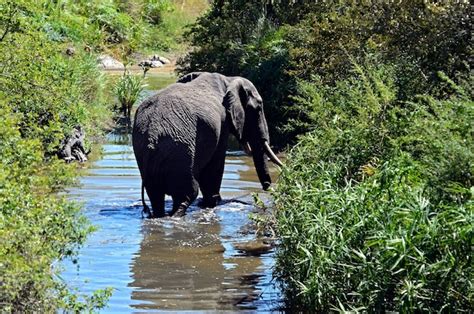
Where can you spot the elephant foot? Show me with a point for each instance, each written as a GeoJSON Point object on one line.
{"type": "Point", "coordinates": [266, 185]}
{"type": "Point", "coordinates": [210, 202]}
{"type": "Point", "coordinates": [149, 213]}
{"type": "Point", "coordinates": [180, 212]}
{"type": "Point", "coordinates": [158, 214]}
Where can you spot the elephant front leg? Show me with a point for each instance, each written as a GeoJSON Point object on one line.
{"type": "Point", "coordinates": [210, 180]}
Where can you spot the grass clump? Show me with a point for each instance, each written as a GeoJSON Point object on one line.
{"type": "Point", "coordinates": [128, 90]}
{"type": "Point", "coordinates": [374, 207]}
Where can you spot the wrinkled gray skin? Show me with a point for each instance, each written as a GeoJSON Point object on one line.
{"type": "Point", "coordinates": [180, 138]}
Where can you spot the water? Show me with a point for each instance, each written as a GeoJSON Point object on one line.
{"type": "Point", "coordinates": [209, 260]}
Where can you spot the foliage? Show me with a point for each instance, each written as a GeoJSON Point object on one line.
{"type": "Point", "coordinates": [52, 92]}
{"type": "Point", "coordinates": [375, 204]}
{"type": "Point", "coordinates": [119, 27]}
{"type": "Point", "coordinates": [153, 10]}
{"type": "Point", "coordinates": [128, 90]}
{"type": "Point", "coordinates": [43, 95]}
{"type": "Point", "coordinates": [277, 43]}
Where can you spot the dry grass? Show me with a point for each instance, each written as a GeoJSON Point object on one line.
{"type": "Point", "coordinates": [191, 8]}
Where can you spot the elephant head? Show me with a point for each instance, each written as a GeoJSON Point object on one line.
{"type": "Point", "coordinates": [244, 107]}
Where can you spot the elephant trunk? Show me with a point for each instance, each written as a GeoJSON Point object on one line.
{"type": "Point", "coordinates": [259, 160]}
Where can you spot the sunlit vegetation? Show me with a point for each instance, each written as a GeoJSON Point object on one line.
{"type": "Point", "coordinates": [128, 90]}
{"type": "Point", "coordinates": [374, 206]}
{"type": "Point", "coordinates": [44, 94]}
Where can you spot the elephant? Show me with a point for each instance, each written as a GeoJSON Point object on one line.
{"type": "Point", "coordinates": [180, 137]}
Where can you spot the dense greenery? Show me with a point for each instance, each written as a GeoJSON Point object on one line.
{"type": "Point", "coordinates": [277, 43]}
{"type": "Point", "coordinates": [374, 205]}
{"type": "Point", "coordinates": [119, 27]}
{"type": "Point", "coordinates": [44, 94]}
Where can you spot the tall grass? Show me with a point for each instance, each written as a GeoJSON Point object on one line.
{"type": "Point", "coordinates": [374, 208]}
{"type": "Point", "coordinates": [128, 90]}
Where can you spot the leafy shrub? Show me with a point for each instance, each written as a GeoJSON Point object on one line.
{"type": "Point", "coordinates": [153, 10]}
{"type": "Point", "coordinates": [52, 92]}
{"type": "Point", "coordinates": [43, 95]}
{"type": "Point", "coordinates": [380, 245]}
{"type": "Point", "coordinates": [37, 227]}
{"type": "Point", "coordinates": [117, 27]}
{"type": "Point", "coordinates": [375, 204]}
{"type": "Point", "coordinates": [277, 43]}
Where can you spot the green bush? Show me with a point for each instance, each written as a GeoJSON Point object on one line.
{"type": "Point", "coordinates": [53, 93]}
{"type": "Point", "coordinates": [117, 27]}
{"type": "Point", "coordinates": [277, 43]}
{"type": "Point", "coordinates": [374, 206]}
{"type": "Point", "coordinates": [153, 10]}
{"type": "Point", "coordinates": [44, 94]}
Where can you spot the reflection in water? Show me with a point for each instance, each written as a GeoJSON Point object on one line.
{"type": "Point", "coordinates": [169, 264]}
{"type": "Point", "coordinates": [191, 264]}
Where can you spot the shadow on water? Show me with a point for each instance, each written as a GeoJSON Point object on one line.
{"type": "Point", "coordinates": [195, 263]}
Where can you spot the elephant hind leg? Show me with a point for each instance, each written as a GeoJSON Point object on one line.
{"type": "Point", "coordinates": [157, 200]}
{"type": "Point", "coordinates": [158, 207]}
{"type": "Point", "coordinates": [181, 202]}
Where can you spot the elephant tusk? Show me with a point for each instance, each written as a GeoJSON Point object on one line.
{"type": "Point", "coordinates": [271, 154]}
{"type": "Point", "coordinates": [247, 148]}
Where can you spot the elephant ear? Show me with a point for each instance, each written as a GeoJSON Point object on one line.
{"type": "Point", "coordinates": [235, 101]}
{"type": "Point", "coordinates": [189, 77]}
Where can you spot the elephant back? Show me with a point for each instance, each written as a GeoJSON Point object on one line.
{"type": "Point", "coordinates": [179, 118]}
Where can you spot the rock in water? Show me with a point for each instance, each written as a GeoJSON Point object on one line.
{"type": "Point", "coordinates": [150, 64]}
{"type": "Point", "coordinates": [256, 247]}
{"type": "Point", "coordinates": [163, 60]}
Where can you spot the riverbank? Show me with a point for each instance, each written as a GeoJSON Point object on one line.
{"type": "Point", "coordinates": [41, 101]}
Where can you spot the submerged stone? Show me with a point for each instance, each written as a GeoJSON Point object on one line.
{"type": "Point", "coordinates": [256, 247]}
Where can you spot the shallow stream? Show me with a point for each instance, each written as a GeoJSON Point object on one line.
{"type": "Point", "coordinates": [209, 260]}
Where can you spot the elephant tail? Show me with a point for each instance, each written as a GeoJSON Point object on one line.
{"type": "Point", "coordinates": [146, 210]}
